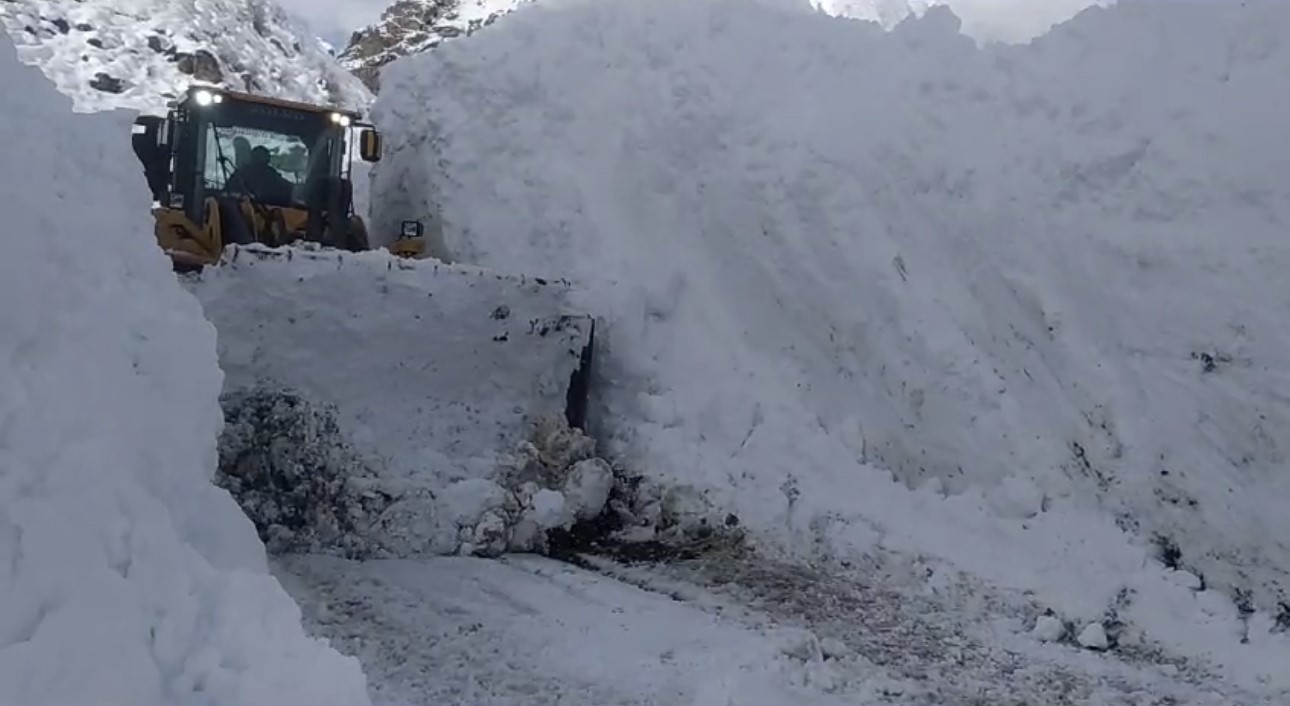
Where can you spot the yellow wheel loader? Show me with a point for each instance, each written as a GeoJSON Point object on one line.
{"type": "Point", "coordinates": [435, 370]}
{"type": "Point", "coordinates": [233, 168]}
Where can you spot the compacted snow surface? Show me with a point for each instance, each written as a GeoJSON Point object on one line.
{"type": "Point", "coordinates": [524, 630]}
{"type": "Point", "coordinates": [1018, 309]}
{"type": "Point", "coordinates": [126, 577]}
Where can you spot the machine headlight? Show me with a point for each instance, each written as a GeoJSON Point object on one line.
{"type": "Point", "coordinates": [340, 119]}
{"type": "Point", "coordinates": [205, 97]}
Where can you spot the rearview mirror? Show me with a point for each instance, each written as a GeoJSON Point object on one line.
{"type": "Point", "coordinates": [369, 145]}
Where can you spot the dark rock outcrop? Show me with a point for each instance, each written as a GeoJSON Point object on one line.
{"type": "Point", "coordinates": [413, 26]}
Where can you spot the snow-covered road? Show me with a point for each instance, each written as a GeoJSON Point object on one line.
{"type": "Point", "coordinates": [529, 631]}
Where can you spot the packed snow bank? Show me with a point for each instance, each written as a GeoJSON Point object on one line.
{"type": "Point", "coordinates": [126, 576]}
{"type": "Point", "coordinates": [287, 460]}
{"type": "Point", "coordinates": [435, 380]}
{"type": "Point", "coordinates": [1037, 287]}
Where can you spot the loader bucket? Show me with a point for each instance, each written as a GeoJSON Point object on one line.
{"type": "Point", "coordinates": [433, 369]}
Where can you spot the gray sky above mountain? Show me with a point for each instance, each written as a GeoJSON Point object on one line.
{"type": "Point", "coordinates": [334, 20]}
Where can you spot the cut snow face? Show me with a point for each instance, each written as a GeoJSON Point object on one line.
{"type": "Point", "coordinates": [1018, 307]}
{"type": "Point", "coordinates": [127, 576]}
{"type": "Point", "coordinates": [382, 407]}
{"type": "Point", "coordinates": [140, 53]}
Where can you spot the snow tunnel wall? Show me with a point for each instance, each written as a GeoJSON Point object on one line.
{"type": "Point", "coordinates": [125, 575]}
{"type": "Point", "coordinates": [1042, 285]}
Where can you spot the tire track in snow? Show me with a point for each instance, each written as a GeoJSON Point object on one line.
{"type": "Point", "coordinates": [962, 645]}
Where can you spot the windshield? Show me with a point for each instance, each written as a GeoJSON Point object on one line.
{"type": "Point", "coordinates": [271, 166]}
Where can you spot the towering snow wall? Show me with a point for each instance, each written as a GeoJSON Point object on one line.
{"type": "Point", "coordinates": [125, 576]}
{"type": "Point", "coordinates": [1021, 307]}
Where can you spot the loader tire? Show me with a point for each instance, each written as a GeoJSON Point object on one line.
{"type": "Point", "coordinates": [357, 241]}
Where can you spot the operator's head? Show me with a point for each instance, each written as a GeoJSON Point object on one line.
{"type": "Point", "coordinates": [260, 155]}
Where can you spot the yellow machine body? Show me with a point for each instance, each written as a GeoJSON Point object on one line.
{"type": "Point", "coordinates": [195, 244]}
{"type": "Point", "coordinates": [192, 160]}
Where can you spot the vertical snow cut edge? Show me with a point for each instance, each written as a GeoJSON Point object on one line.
{"type": "Point", "coordinates": [125, 575]}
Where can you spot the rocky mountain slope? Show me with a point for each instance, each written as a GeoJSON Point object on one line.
{"type": "Point", "coordinates": [413, 26]}
{"type": "Point", "coordinates": [140, 53]}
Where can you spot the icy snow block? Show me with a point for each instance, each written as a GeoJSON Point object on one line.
{"type": "Point", "coordinates": [127, 577]}
{"type": "Point", "coordinates": [434, 370]}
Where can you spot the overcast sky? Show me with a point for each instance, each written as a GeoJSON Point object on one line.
{"type": "Point", "coordinates": [334, 20]}
{"type": "Point", "coordinates": [1015, 20]}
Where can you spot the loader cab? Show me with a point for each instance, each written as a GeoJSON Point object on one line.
{"type": "Point", "coordinates": [221, 159]}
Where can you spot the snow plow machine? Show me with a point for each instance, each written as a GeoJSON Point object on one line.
{"type": "Point", "coordinates": [253, 203]}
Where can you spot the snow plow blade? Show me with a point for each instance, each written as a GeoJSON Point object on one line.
{"type": "Point", "coordinates": [429, 366]}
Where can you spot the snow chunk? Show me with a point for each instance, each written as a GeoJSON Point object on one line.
{"type": "Point", "coordinates": [468, 500]}
{"type": "Point", "coordinates": [285, 462]}
{"type": "Point", "coordinates": [548, 509]}
{"type": "Point", "coordinates": [1186, 579]}
{"type": "Point", "coordinates": [1048, 628]}
{"type": "Point", "coordinates": [128, 576]}
{"type": "Point", "coordinates": [587, 487]}
{"type": "Point", "coordinates": [1093, 636]}
{"type": "Point", "coordinates": [833, 648]}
